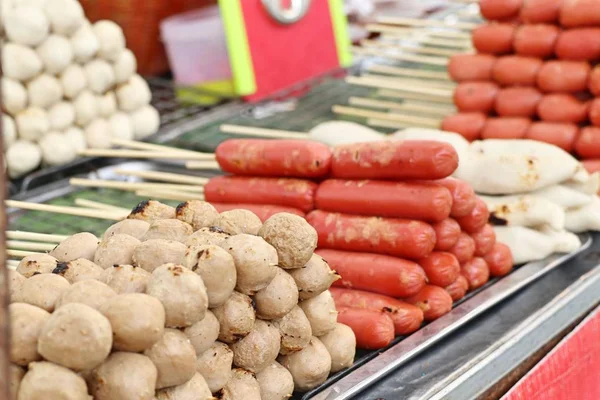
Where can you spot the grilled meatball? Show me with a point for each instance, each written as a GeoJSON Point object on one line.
{"type": "Point", "coordinates": [194, 389]}
{"type": "Point", "coordinates": [152, 210]}
{"type": "Point", "coordinates": [80, 245]}
{"type": "Point", "coordinates": [109, 382]}
{"type": "Point", "coordinates": [238, 221]}
{"type": "Point", "coordinates": [42, 263]}
{"type": "Point", "coordinates": [295, 331]}
{"type": "Point", "coordinates": [15, 376]}
{"type": "Point", "coordinates": [89, 292]}
{"type": "Point", "coordinates": [199, 214]}
{"type": "Point", "coordinates": [258, 349]}
{"type": "Point", "coordinates": [236, 318]}
{"type": "Point", "coordinates": [26, 322]}
{"type": "Point", "coordinates": [45, 380]}
{"type": "Point", "coordinates": [15, 281]}
{"type": "Point", "coordinates": [169, 229]}
{"type": "Point", "coordinates": [42, 290]}
{"type": "Point", "coordinates": [242, 386]}
{"type": "Point", "coordinates": [293, 238]}
{"type": "Point", "coordinates": [215, 365]}
{"type": "Point", "coordinates": [126, 279]}
{"type": "Point", "coordinates": [276, 382]}
{"type": "Point", "coordinates": [309, 367]}
{"type": "Point", "coordinates": [203, 333]}
{"type": "Point", "coordinates": [174, 358]}
{"type": "Point", "coordinates": [207, 236]}
{"type": "Point", "coordinates": [314, 278]}
{"type": "Point", "coordinates": [341, 345]}
{"type": "Point", "coordinates": [132, 227]}
{"type": "Point", "coordinates": [278, 298]}
{"type": "Point", "coordinates": [151, 254]}
{"type": "Point", "coordinates": [78, 270]}
{"type": "Point", "coordinates": [321, 313]}
{"type": "Point", "coordinates": [116, 250]}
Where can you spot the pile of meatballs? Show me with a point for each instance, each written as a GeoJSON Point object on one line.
{"type": "Point", "coordinates": [177, 303]}
{"type": "Point", "coordinates": [68, 85]}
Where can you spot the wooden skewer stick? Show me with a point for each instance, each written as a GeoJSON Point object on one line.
{"type": "Point", "coordinates": [164, 176]}
{"type": "Point", "coordinates": [409, 48]}
{"type": "Point", "coordinates": [401, 57]}
{"type": "Point", "coordinates": [359, 112]}
{"type": "Point", "coordinates": [262, 132]}
{"type": "Point", "coordinates": [77, 211]}
{"type": "Point", "coordinates": [378, 123]}
{"type": "Point", "coordinates": [383, 83]}
{"type": "Point", "coordinates": [99, 206]}
{"type": "Point", "coordinates": [15, 244]}
{"type": "Point", "coordinates": [426, 22]}
{"type": "Point", "coordinates": [169, 195]}
{"type": "Point", "coordinates": [174, 155]}
{"type": "Point", "coordinates": [210, 165]}
{"type": "Point", "coordinates": [133, 144]}
{"type": "Point", "coordinates": [409, 72]}
{"type": "Point", "coordinates": [456, 44]}
{"type": "Point", "coordinates": [404, 95]}
{"type": "Point", "coordinates": [413, 81]}
{"type": "Point", "coordinates": [19, 253]}
{"type": "Point", "coordinates": [390, 105]}
{"type": "Point", "coordinates": [132, 186]}
{"type": "Point", "coordinates": [12, 264]}
{"type": "Point", "coordinates": [33, 236]}
{"type": "Point", "coordinates": [380, 28]}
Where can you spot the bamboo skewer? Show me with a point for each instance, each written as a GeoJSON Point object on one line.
{"type": "Point", "coordinates": [164, 176]}
{"type": "Point", "coordinates": [77, 211]}
{"type": "Point", "coordinates": [390, 105]}
{"type": "Point", "coordinates": [377, 123]}
{"type": "Point", "coordinates": [99, 206]}
{"type": "Point", "coordinates": [174, 155]}
{"type": "Point", "coordinates": [262, 132]}
{"type": "Point", "coordinates": [390, 84]}
{"type": "Point", "coordinates": [169, 195]}
{"type": "Point", "coordinates": [15, 244]}
{"type": "Point", "coordinates": [359, 112]}
{"type": "Point", "coordinates": [133, 144]}
{"type": "Point", "coordinates": [132, 186]}
{"type": "Point", "coordinates": [409, 72]}
{"type": "Point", "coordinates": [426, 22]}
{"type": "Point", "coordinates": [33, 236]}
{"type": "Point", "coordinates": [20, 253]}
{"type": "Point", "coordinates": [404, 95]}
{"type": "Point", "coordinates": [457, 44]}
{"type": "Point", "coordinates": [440, 61]}
{"type": "Point", "coordinates": [12, 264]}
{"type": "Point", "coordinates": [413, 81]}
{"type": "Point", "coordinates": [380, 28]}
{"type": "Point", "coordinates": [408, 48]}
{"type": "Point", "coordinates": [211, 165]}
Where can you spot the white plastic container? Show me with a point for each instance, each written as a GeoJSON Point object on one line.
{"type": "Point", "coordinates": [196, 46]}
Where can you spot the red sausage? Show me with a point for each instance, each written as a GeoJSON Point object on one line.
{"type": "Point", "coordinates": [540, 11]}
{"type": "Point", "coordinates": [287, 192]}
{"type": "Point", "coordinates": [425, 201]}
{"type": "Point", "coordinates": [505, 128]}
{"type": "Point", "coordinates": [578, 44]}
{"type": "Point", "coordinates": [559, 134]}
{"type": "Point", "coordinates": [564, 76]}
{"type": "Point", "coordinates": [407, 318]}
{"type": "Point", "coordinates": [395, 237]}
{"type": "Point", "coordinates": [536, 40]}
{"type": "Point", "coordinates": [290, 158]}
{"type": "Point", "coordinates": [594, 81]}
{"type": "Point", "coordinates": [499, 10]}
{"type": "Point", "coordinates": [408, 159]}
{"type": "Point", "coordinates": [433, 300]}
{"type": "Point", "coordinates": [447, 233]}
{"type": "Point", "coordinates": [591, 166]}
{"type": "Point", "coordinates": [475, 96]}
{"type": "Point", "coordinates": [499, 260]}
{"type": "Point", "coordinates": [469, 125]}
{"type": "Point", "coordinates": [516, 70]}
{"type": "Point", "coordinates": [588, 143]}
{"type": "Point", "coordinates": [263, 212]}
{"type": "Point", "coordinates": [494, 38]}
{"type": "Point", "coordinates": [477, 219]}
{"type": "Point", "coordinates": [595, 112]}
{"type": "Point", "coordinates": [458, 289]}
{"type": "Point", "coordinates": [561, 107]}
{"type": "Point", "coordinates": [485, 238]}
{"type": "Point", "coordinates": [576, 13]}
{"type": "Point", "coordinates": [463, 196]}
{"type": "Point", "coordinates": [517, 101]}
{"type": "Point", "coordinates": [464, 249]}
{"type": "Point", "coordinates": [441, 268]}
{"type": "Point", "coordinates": [471, 67]}
{"type": "Point", "coordinates": [477, 272]}
{"type": "Point", "coordinates": [385, 275]}
{"type": "Point", "coordinates": [373, 329]}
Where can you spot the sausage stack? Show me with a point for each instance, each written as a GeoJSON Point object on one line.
{"type": "Point", "coordinates": [534, 76]}
{"type": "Point", "coordinates": [389, 220]}
{"type": "Point", "coordinates": [175, 303]}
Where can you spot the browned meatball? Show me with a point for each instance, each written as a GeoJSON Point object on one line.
{"type": "Point", "coordinates": [309, 367]}
{"type": "Point", "coordinates": [278, 298]}
{"type": "Point", "coordinates": [276, 382]}
{"type": "Point", "coordinates": [215, 365]}
{"type": "Point", "coordinates": [295, 331]}
{"type": "Point", "coordinates": [199, 214]}
{"type": "Point", "coordinates": [203, 333]}
{"type": "Point", "coordinates": [314, 278]}
{"type": "Point", "coordinates": [238, 221]}
{"type": "Point", "coordinates": [242, 386]}
{"type": "Point", "coordinates": [90, 292]}
{"type": "Point", "coordinates": [236, 318]}
{"type": "Point", "coordinates": [174, 358]}
{"type": "Point", "coordinates": [45, 381]}
{"type": "Point", "coordinates": [124, 376]}
{"type": "Point", "coordinates": [321, 313]}
{"type": "Point", "coordinates": [169, 229]}
{"type": "Point", "coordinates": [207, 236]}
{"type": "Point", "coordinates": [194, 389]}
{"type": "Point", "coordinates": [80, 245]}
{"type": "Point", "coordinates": [42, 290]}
{"type": "Point", "coordinates": [26, 322]}
{"type": "Point", "coordinates": [132, 227]}
{"type": "Point", "coordinates": [116, 250]}
{"type": "Point", "coordinates": [151, 254]}
{"type": "Point", "coordinates": [341, 345]}
{"type": "Point", "coordinates": [294, 239]}
{"type": "Point", "coordinates": [126, 279]}
{"type": "Point", "coordinates": [78, 270]}
{"type": "Point", "coordinates": [15, 281]}
{"type": "Point", "coordinates": [258, 349]}
{"type": "Point", "coordinates": [42, 263]}
{"type": "Point", "coordinates": [15, 375]}
{"type": "Point", "coordinates": [152, 210]}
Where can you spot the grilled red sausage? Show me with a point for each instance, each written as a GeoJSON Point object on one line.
{"type": "Point", "coordinates": [425, 201]}
{"type": "Point", "coordinates": [442, 268]}
{"type": "Point", "coordinates": [579, 44]}
{"type": "Point", "coordinates": [262, 211]}
{"type": "Point", "coordinates": [373, 329]}
{"type": "Point", "coordinates": [471, 67]}
{"type": "Point", "coordinates": [588, 143]}
{"type": "Point", "coordinates": [594, 81]}
{"type": "Point", "coordinates": [577, 13]}
{"type": "Point", "coordinates": [517, 101]}
{"type": "Point", "coordinates": [562, 107]}
{"type": "Point", "coordinates": [516, 70]}
{"type": "Point", "coordinates": [458, 289]}
{"type": "Point", "coordinates": [469, 125]}
{"type": "Point", "coordinates": [475, 96]}
{"type": "Point", "coordinates": [494, 38]}
{"type": "Point", "coordinates": [499, 260]}
{"type": "Point", "coordinates": [564, 76]}
{"type": "Point", "coordinates": [505, 128]}
{"type": "Point", "coordinates": [464, 249]}
{"type": "Point", "coordinates": [433, 300]}
{"type": "Point", "coordinates": [559, 134]}
{"type": "Point", "coordinates": [447, 233]}
{"type": "Point", "coordinates": [536, 40]}
{"type": "Point", "coordinates": [395, 237]}
{"type": "Point", "coordinates": [477, 219]}
{"type": "Point", "coordinates": [595, 112]}
{"type": "Point", "coordinates": [385, 275]}
{"type": "Point", "coordinates": [463, 196]}
{"type": "Point", "coordinates": [540, 11]}
{"type": "Point", "coordinates": [484, 239]}
{"type": "Point", "coordinates": [500, 10]}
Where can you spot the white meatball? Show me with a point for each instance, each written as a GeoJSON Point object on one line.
{"type": "Point", "coordinates": [9, 131]}
{"type": "Point", "coordinates": [309, 367]}
{"type": "Point", "coordinates": [65, 16]}
{"type": "Point", "coordinates": [57, 149]}
{"type": "Point", "coordinates": [73, 81]}
{"type": "Point", "coordinates": [56, 53]}
{"type": "Point", "coordinates": [85, 43]}
{"type": "Point", "coordinates": [61, 115]}
{"type": "Point", "coordinates": [111, 39]}
{"type": "Point", "coordinates": [77, 138]}
{"type": "Point", "coordinates": [121, 126]}
{"type": "Point", "coordinates": [100, 76]}
{"type": "Point", "coordinates": [107, 104]}
{"type": "Point", "coordinates": [125, 66]}
{"type": "Point", "coordinates": [341, 345]}
{"type": "Point", "coordinates": [32, 123]}
{"type": "Point", "coordinates": [321, 313]}
{"type": "Point", "coordinates": [23, 157]}
{"type": "Point", "coordinates": [145, 121]}
{"type": "Point", "coordinates": [134, 94]}
{"type": "Point", "coordinates": [44, 91]}
{"type": "Point", "coordinates": [97, 134]}
{"type": "Point", "coordinates": [86, 108]}
{"type": "Point", "coordinates": [14, 96]}
{"type": "Point", "coordinates": [20, 62]}
{"type": "Point", "coordinates": [26, 25]}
